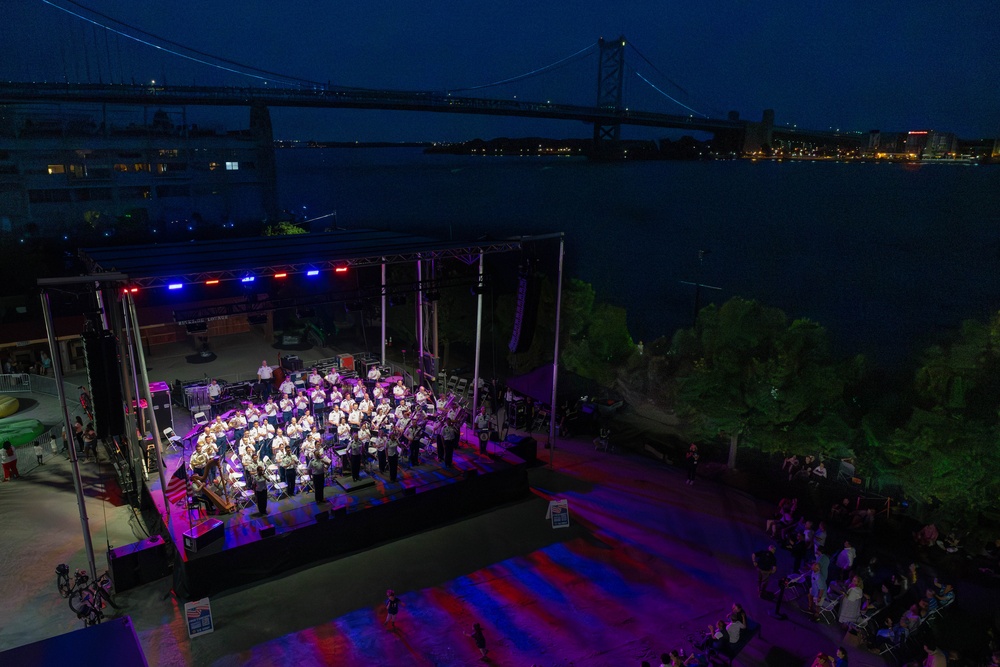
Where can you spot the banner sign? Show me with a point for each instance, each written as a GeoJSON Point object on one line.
{"type": "Point", "coordinates": [199, 617]}
{"type": "Point", "coordinates": [558, 513]}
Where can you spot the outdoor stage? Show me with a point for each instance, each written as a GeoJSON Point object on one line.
{"type": "Point", "coordinates": [243, 547]}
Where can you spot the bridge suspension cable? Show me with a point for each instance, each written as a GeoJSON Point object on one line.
{"type": "Point", "coordinates": [273, 77]}
{"type": "Point", "coordinates": [579, 55]}
{"type": "Point", "coordinates": [669, 80]}
{"type": "Point", "coordinates": [674, 100]}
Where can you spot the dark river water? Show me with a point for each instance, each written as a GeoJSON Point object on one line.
{"type": "Point", "coordinates": [887, 257]}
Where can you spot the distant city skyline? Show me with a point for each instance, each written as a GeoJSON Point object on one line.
{"type": "Point", "coordinates": [892, 66]}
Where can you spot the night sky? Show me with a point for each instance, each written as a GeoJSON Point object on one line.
{"type": "Point", "coordinates": [892, 65]}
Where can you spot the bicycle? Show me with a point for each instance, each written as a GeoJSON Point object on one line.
{"type": "Point", "coordinates": [86, 598]}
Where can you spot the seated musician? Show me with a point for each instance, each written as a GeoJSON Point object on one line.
{"type": "Point", "coordinates": [402, 417]}
{"type": "Point", "coordinates": [335, 417]}
{"type": "Point", "coordinates": [280, 440]}
{"type": "Point", "coordinates": [307, 422]}
{"type": "Point", "coordinates": [301, 403]}
{"type": "Point", "coordinates": [334, 395]}
{"type": "Point", "coordinates": [294, 434]}
{"type": "Point", "coordinates": [210, 451]}
{"type": "Point", "coordinates": [287, 386]}
{"type": "Point", "coordinates": [422, 396]}
{"type": "Point", "coordinates": [286, 405]}
{"type": "Point", "coordinates": [358, 392]}
{"type": "Point", "coordinates": [399, 392]}
{"type": "Point", "coordinates": [238, 422]}
{"type": "Point", "coordinates": [199, 496]}
{"type": "Point", "coordinates": [332, 377]}
{"type": "Point", "coordinates": [378, 393]}
{"type": "Point", "coordinates": [198, 462]}
{"type": "Point", "coordinates": [253, 415]}
{"type": "Point", "coordinates": [347, 404]}
{"type": "Point", "coordinates": [271, 411]}
{"type": "Point", "coordinates": [250, 459]}
{"type": "Point", "coordinates": [366, 406]}
{"type": "Point", "coordinates": [354, 418]}
{"type": "Point", "coordinates": [344, 433]}
{"type": "Point", "coordinates": [315, 379]}
{"type": "Point", "coordinates": [365, 434]}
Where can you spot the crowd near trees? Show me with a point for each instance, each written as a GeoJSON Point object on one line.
{"type": "Point", "coordinates": [747, 376]}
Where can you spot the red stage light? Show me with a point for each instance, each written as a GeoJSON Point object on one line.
{"type": "Point", "coordinates": [280, 275]}
{"type": "Point", "coordinates": [340, 269]}
{"type": "Point", "coordinates": [211, 282]}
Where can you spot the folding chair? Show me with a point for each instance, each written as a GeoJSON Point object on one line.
{"type": "Point", "coordinates": [277, 488]}
{"type": "Point", "coordinates": [173, 440]}
{"type": "Point", "coordinates": [304, 483]}
{"type": "Point", "coordinates": [828, 608]}
{"type": "Point", "coordinates": [200, 418]}
{"type": "Point", "coordinates": [461, 388]}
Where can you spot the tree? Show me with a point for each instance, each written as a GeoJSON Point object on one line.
{"type": "Point", "coordinates": [746, 373]}
{"type": "Point", "coordinates": [595, 340]}
{"type": "Point", "coordinates": [945, 453]}
{"type": "Point", "coordinates": [282, 228]}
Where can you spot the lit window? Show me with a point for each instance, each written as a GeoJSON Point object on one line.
{"type": "Point", "coordinates": [57, 169]}
{"type": "Point", "coordinates": [232, 166]}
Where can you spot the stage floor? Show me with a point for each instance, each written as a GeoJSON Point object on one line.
{"type": "Point", "coordinates": [243, 549]}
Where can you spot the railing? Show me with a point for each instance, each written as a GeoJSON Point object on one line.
{"type": "Point", "coordinates": [14, 383]}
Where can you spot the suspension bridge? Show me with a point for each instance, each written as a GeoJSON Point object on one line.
{"type": "Point", "coordinates": [606, 116]}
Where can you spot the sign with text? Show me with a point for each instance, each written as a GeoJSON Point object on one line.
{"type": "Point", "coordinates": [199, 617]}
{"type": "Point", "coordinates": [558, 513]}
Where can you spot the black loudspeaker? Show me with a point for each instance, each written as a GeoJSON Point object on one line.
{"type": "Point", "coordinates": [471, 474]}
{"type": "Point", "coordinates": [521, 416]}
{"type": "Point", "coordinates": [160, 391]}
{"type": "Point", "coordinates": [526, 313]}
{"type": "Point", "coordinates": [410, 491]}
{"type": "Point", "coordinates": [139, 563]}
{"type": "Point", "coordinates": [322, 516]}
{"type": "Point", "coordinates": [266, 531]}
{"type": "Point", "coordinates": [202, 535]}
{"type": "Point", "coordinates": [100, 349]}
{"type": "Point", "coordinates": [523, 447]}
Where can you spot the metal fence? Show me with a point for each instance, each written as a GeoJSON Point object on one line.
{"type": "Point", "coordinates": [14, 383]}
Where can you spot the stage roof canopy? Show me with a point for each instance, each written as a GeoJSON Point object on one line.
{"type": "Point", "coordinates": [230, 259]}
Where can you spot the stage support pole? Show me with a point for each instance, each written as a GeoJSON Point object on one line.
{"type": "Point", "coordinates": [420, 321]}
{"type": "Point", "coordinates": [73, 457]}
{"type": "Point", "coordinates": [479, 340]}
{"type": "Point", "coordinates": [384, 312]}
{"type": "Point", "coordinates": [147, 394]}
{"type": "Point", "coordinates": [555, 353]}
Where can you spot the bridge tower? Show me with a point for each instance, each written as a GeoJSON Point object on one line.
{"type": "Point", "coordinates": [610, 76]}
{"type": "Point", "coordinates": [263, 134]}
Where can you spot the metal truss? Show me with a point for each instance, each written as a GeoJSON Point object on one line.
{"type": "Point", "coordinates": [468, 254]}
{"type": "Point", "coordinates": [262, 302]}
